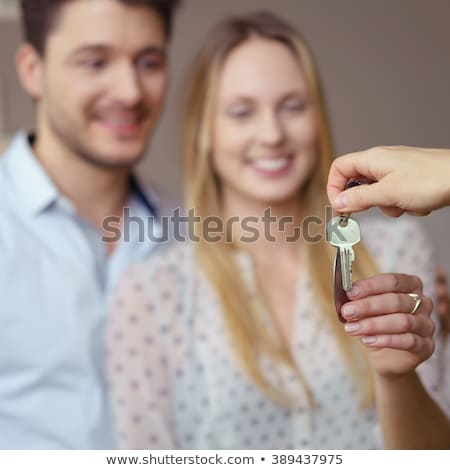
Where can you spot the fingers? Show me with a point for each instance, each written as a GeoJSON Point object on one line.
{"type": "Point", "coordinates": [384, 304]}
{"type": "Point", "coordinates": [341, 170]}
{"type": "Point", "coordinates": [385, 283]}
{"type": "Point", "coordinates": [354, 165]}
{"type": "Point", "coordinates": [363, 197]}
{"type": "Point", "coordinates": [384, 294]}
{"type": "Point", "coordinates": [441, 277]}
{"type": "Point", "coordinates": [393, 211]}
{"type": "Point", "coordinates": [366, 164]}
{"type": "Point", "coordinates": [442, 301]}
{"type": "Point", "coordinates": [442, 298]}
{"type": "Point", "coordinates": [379, 312]}
{"type": "Point", "coordinates": [443, 306]}
{"type": "Point", "coordinates": [418, 213]}
{"type": "Point", "coordinates": [395, 324]}
{"type": "Point", "coordinates": [405, 342]}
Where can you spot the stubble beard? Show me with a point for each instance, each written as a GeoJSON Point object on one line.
{"type": "Point", "coordinates": [78, 148]}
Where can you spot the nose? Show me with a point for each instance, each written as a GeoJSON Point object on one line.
{"type": "Point", "coordinates": [272, 132]}
{"type": "Point", "coordinates": [127, 87]}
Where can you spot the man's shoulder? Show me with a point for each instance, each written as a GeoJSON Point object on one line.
{"type": "Point", "coordinates": [12, 221]}
{"type": "Point", "coordinates": [8, 221]}
{"type": "Point", "coordinates": [6, 206]}
{"type": "Point", "coordinates": [7, 157]}
{"type": "Point", "coordinates": [164, 202]}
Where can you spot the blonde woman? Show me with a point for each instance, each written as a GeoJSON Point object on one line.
{"type": "Point", "coordinates": [233, 342]}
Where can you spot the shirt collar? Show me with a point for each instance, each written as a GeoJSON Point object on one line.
{"type": "Point", "coordinates": [32, 184]}
{"type": "Point", "coordinates": [146, 197]}
{"type": "Point", "coordinates": [37, 190]}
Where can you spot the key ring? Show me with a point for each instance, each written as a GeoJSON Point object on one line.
{"type": "Point", "coordinates": [351, 184]}
{"type": "Point", "coordinates": [343, 221]}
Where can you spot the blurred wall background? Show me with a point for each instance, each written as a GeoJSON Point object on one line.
{"type": "Point", "coordinates": [385, 68]}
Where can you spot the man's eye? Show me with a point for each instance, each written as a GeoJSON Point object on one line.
{"type": "Point", "coordinates": [94, 63]}
{"type": "Point", "coordinates": [149, 64]}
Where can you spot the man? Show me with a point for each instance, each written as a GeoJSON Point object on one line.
{"type": "Point", "coordinates": [97, 72]}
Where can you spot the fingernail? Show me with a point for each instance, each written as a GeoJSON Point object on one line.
{"type": "Point", "coordinates": [341, 201]}
{"type": "Point", "coordinates": [369, 339]}
{"type": "Point", "coordinates": [354, 291]}
{"type": "Point", "coordinates": [351, 327]}
{"type": "Point", "coordinates": [349, 311]}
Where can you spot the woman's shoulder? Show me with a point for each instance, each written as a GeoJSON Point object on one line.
{"type": "Point", "coordinates": [382, 227]}
{"type": "Point", "coordinates": [400, 245]}
{"type": "Point", "coordinates": [391, 237]}
{"type": "Point", "coordinates": [174, 257]}
{"type": "Point", "coordinates": [157, 283]}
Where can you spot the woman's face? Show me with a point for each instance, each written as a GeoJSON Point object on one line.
{"type": "Point", "coordinates": [265, 130]}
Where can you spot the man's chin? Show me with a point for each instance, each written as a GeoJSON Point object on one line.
{"type": "Point", "coordinates": [114, 159]}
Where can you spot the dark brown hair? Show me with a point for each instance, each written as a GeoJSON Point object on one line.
{"type": "Point", "coordinates": [40, 16]}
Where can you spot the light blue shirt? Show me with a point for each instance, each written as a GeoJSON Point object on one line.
{"type": "Point", "coordinates": [55, 281]}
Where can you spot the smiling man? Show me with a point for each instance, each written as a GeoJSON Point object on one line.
{"type": "Point", "coordinates": [97, 72]}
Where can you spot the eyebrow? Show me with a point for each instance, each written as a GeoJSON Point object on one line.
{"type": "Point", "coordinates": [291, 94]}
{"type": "Point", "coordinates": [101, 48]}
{"type": "Point", "coordinates": [296, 94]}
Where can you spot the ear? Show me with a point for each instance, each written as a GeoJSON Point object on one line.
{"type": "Point", "coordinates": [29, 69]}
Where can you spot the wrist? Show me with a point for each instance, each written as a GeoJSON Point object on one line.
{"type": "Point", "coordinates": [445, 160]}
{"type": "Point", "coordinates": [447, 193]}
{"type": "Point", "coordinates": [393, 381]}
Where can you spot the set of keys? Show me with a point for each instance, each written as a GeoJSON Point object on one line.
{"type": "Point", "coordinates": [343, 232]}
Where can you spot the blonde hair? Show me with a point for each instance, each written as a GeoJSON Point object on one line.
{"type": "Point", "coordinates": [250, 339]}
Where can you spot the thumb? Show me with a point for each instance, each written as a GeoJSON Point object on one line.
{"type": "Point", "coordinates": [362, 197]}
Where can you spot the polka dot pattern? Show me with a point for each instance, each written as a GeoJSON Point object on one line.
{"type": "Point", "coordinates": [176, 383]}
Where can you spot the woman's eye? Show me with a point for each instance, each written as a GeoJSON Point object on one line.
{"type": "Point", "coordinates": [295, 106]}
{"type": "Point", "coordinates": [240, 113]}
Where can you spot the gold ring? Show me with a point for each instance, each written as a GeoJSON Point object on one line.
{"type": "Point", "coordinates": [418, 301]}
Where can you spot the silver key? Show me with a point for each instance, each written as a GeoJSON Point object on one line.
{"type": "Point", "coordinates": [343, 233]}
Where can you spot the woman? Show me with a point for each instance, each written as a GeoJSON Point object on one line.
{"type": "Point", "coordinates": [237, 345]}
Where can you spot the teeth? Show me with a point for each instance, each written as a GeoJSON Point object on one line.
{"type": "Point", "coordinates": [121, 123]}
{"type": "Point", "coordinates": [271, 165]}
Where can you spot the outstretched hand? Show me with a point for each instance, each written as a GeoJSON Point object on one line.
{"type": "Point", "coordinates": [408, 179]}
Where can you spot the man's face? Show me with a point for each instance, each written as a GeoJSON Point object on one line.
{"type": "Point", "coordinates": [104, 80]}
